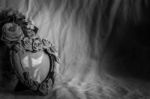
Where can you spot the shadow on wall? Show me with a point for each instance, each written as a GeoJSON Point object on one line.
{"type": "Point", "coordinates": [91, 38]}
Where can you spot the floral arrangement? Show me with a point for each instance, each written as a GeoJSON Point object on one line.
{"type": "Point", "coordinates": [16, 29]}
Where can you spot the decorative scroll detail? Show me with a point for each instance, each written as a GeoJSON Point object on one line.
{"type": "Point", "coordinates": [19, 34]}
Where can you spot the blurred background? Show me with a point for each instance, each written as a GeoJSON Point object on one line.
{"type": "Point", "coordinates": [103, 45]}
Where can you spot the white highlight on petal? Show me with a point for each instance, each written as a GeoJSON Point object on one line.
{"type": "Point", "coordinates": [25, 61]}
{"type": "Point", "coordinates": [37, 61]}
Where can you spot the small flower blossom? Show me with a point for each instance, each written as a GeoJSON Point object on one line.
{"type": "Point", "coordinates": [30, 33]}
{"type": "Point", "coordinates": [27, 43]}
{"type": "Point", "coordinates": [46, 43]}
{"type": "Point", "coordinates": [37, 44]}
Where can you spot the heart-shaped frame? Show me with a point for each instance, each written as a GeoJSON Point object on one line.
{"type": "Point", "coordinates": [20, 36]}
{"type": "Point", "coordinates": [40, 88]}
